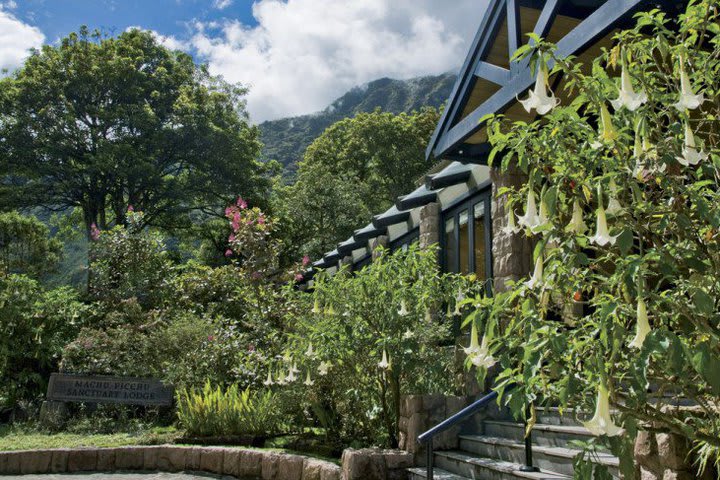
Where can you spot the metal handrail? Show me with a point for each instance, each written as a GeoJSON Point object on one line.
{"type": "Point", "coordinates": [472, 409]}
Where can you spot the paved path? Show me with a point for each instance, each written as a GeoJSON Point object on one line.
{"type": "Point", "coordinates": [119, 476]}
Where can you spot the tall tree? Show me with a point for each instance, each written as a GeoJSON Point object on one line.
{"type": "Point", "coordinates": [103, 123]}
{"type": "Point", "coordinates": [357, 167]}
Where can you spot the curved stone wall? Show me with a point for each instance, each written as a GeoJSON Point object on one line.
{"type": "Point", "coordinates": [240, 463]}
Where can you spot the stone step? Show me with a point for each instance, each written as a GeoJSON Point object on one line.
{"type": "Point", "coordinates": [542, 434]}
{"type": "Point", "coordinates": [555, 459]}
{"type": "Point", "coordinates": [438, 474]}
{"type": "Point", "coordinates": [552, 416]}
{"type": "Point", "coordinates": [470, 466]}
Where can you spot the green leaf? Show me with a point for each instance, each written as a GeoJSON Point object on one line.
{"type": "Point", "coordinates": [708, 366]}
{"type": "Point", "coordinates": [625, 241]}
{"type": "Point", "coordinates": [703, 302]}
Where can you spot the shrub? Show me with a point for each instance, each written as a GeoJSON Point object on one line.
{"type": "Point", "coordinates": [227, 412]}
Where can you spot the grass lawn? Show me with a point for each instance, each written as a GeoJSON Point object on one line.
{"type": "Point", "coordinates": [25, 439]}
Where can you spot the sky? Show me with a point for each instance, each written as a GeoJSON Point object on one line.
{"type": "Point", "coordinates": [295, 56]}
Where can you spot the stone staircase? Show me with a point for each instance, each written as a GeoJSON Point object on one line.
{"type": "Point", "coordinates": [498, 452]}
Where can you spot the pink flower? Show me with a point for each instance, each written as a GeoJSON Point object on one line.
{"type": "Point", "coordinates": [256, 275]}
{"type": "Point", "coordinates": [231, 238]}
{"type": "Point", "coordinates": [261, 220]}
{"type": "Point", "coordinates": [249, 221]}
{"type": "Point", "coordinates": [305, 261]}
{"type": "Point", "coordinates": [228, 212]}
{"type": "Point", "coordinates": [94, 232]}
{"type": "Point", "coordinates": [131, 208]}
{"type": "Point", "coordinates": [211, 338]}
{"type": "Point", "coordinates": [251, 348]}
{"type": "Point", "coordinates": [228, 253]}
{"type": "Point", "coordinates": [298, 277]}
{"type": "Point", "coordinates": [241, 203]}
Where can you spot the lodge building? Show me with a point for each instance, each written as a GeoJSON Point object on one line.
{"type": "Point", "coordinates": [458, 208]}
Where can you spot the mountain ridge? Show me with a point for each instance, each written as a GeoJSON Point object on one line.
{"type": "Point", "coordinates": [286, 139]}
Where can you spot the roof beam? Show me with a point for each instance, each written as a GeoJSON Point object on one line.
{"type": "Point", "coordinates": [576, 40]}
{"type": "Point", "coordinates": [493, 73]}
{"type": "Point", "coordinates": [514, 33]}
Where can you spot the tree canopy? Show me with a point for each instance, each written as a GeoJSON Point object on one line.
{"type": "Point", "coordinates": [356, 168]}
{"type": "Point", "coordinates": [101, 123]}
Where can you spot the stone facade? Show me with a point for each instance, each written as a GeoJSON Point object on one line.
{"type": "Point", "coordinates": [429, 228]}
{"type": "Point", "coordinates": [381, 241]}
{"type": "Point", "coordinates": [665, 456]}
{"type": "Point", "coordinates": [512, 253]}
{"type": "Point", "coordinates": [375, 464]}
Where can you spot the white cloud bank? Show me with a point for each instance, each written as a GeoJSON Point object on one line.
{"type": "Point", "coordinates": [305, 53]}
{"type": "Point", "coordinates": [16, 39]}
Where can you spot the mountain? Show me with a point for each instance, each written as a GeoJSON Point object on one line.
{"type": "Point", "coordinates": [286, 139]}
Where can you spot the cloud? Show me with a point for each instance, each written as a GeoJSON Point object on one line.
{"type": "Point", "coordinates": [169, 41]}
{"type": "Point", "coordinates": [302, 54]}
{"type": "Point", "coordinates": [222, 4]}
{"type": "Point", "coordinates": [16, 39]}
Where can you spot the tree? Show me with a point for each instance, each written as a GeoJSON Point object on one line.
{"type": "Point", "coordinates": [102, 123]}
{"type": "Point", "coordinates": [357, 167]}
{"type": "Point", "coordinates": [26, 246]}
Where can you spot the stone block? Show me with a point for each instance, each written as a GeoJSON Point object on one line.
{"type": "Point", "coordinates": [36, 461]}
{"type": "Point", "coordinates": [231, 462]}
{"type": "Point", "coordinates": [644, 447]}
{"type": "Point", "coordinates": [59, 461]}
{"type": "Point", "coordinates": [12, 463]}
{"type": "Point", "coordinates": [402, 440]}
{"type": "Point", "coordinates": [355, 465]}
{"type": "Point", "coordinates": [192, 459]}
{"type": "Point", "coordinates": [150, 458]}
{"type": "Point", "coordinates": [211, 460]}
{"type": "Point", "coordinates": [171, 459]}
{"type": "Point", "coordinates": [82, 460]}
{"type": "Point", "coordinates": [312, 469]}
{"type": "Point", "coordinates": [397, 459]}
{"type": "Point", "coordinates": [270, 466]}
{"type": "Point", "coordinates": [250, 464]}
{"type": "Point", "coordinates": [105, 460]}
{"type": "Point", "coordinates": [330, 472]}
{"type": "Point", "coordinates": [673, 451]}
{"type": "Point", "coordinates": [454, 404]}
{"type": "Point", "coordinates": [129, 458]}
{"type": "Point", "coordinates": [411, 404]}
{"type": "Point", "coordinates": [3, 462]}
{"type": "Point", "coordinates": [291, 467]}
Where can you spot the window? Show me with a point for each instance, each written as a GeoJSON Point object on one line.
{"type": "Point", "coordinates": [466, 241]}
{"type": "Point", "coordinates": [404, 241]}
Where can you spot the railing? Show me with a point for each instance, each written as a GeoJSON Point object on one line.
{"type": "Point", "coordinates": [472, 409]}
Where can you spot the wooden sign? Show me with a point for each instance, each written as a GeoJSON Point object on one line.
{"type": "Point", "coordinates": [107, 389]}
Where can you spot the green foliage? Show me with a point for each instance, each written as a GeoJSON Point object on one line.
{"type": "Point", "coordinates": [100, 123]}
{"type": "Point", "coordinates": [227, 412]}
{"type": "Point", "coordinates": [286, 139]}
{"type": "Point", "coordinates": [129, 262]}
{"type": "Point", "coordinates": [357, 166]}
{"type": "Point", "coordinates": [26, 246]}
{"type": "Point", "coordinates": [356, 319]}
{"type": "Point", "coordinates": [34, 327]}
{"type": "Point", "coordinates": [579, 324]}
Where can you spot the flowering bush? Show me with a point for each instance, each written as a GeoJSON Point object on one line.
{"type": "Point", "coordinates": [367, 337]}
{"type": "Point", "coordinates": [621, 309]}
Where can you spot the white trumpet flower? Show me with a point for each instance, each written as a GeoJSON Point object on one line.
{"type": "Point", "coordinates": [537, 275]}
{"type": "Point", "coordinates": [602, 236]}
{"type": "Point", "coordinates": [539, 98]}
{"type": "Point", "coordinates": [643, 325]}
{"type": "Point", "coordinates": [269, 380]}
{"type": "Point", "coordinates": [478, 352]}
{"type": "Point", "coordinates": [626, 96]}
{"type": "Point", "coordinates": [323, 368]}
{"type": "Point", "coordinates": [384, 363]}
{"type": "Point", "coordinates": [294, 368]}
{"type": "Point", "coordinates": [530, 219]}
{"type": "Point", "coordinates": [577, 225]}
{"type": "Point", "coordinates": [688, 100]}
{"type": "Point", "coordinates": [543, 220]}
{"type": "Point", "coordinates": [291, 377]}
{"type": "Point", "coordinates": [281, 380]}
{"type": "Point", "coordinates": [316, 307]}
{"type": "Point", "coordinates": [308, 381]}
{"type": "Point", "coordinates": [403, 309]}
{"type": "Point", "coordinates": [608, 132]}
{"type": "Point", "coordinates": [511, 228]}
{"type": "Point", "coordinates": [691, 156]}
{"type": "Point", "coordinates": [408, 334]}
{"type": "Point", "coordinates": [459, 298]}
{"type": "Point", "coordinates": [310, 352]}
{"type": "Point", "coordinates": [602, 423]}
{"type": "Point", "coordinates": [614, 207]}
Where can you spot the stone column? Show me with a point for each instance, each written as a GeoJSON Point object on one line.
{"type": "Point", "coordinates": [512, 253]}
{"type": "Point", "coordinates": [429, 225]}
{"type": "Point", "coordinates": [381, 241]}
{"type": "Point", "coordinates": [346, 262]}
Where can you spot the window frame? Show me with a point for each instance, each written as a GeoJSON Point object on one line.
{"type": "Point", "coordinates": [467, 204]}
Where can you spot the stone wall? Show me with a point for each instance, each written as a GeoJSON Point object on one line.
{"type": "Point", "coordinates": [236, 462]}
{"type": "Point", "coordinates": [375, 464]}
{"type": "Point", "coordinates": [665, 456]}
{"type": "Point", "coordinates": [429, 228]}
{"type": "Point", "coordinates": [512, 253]}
